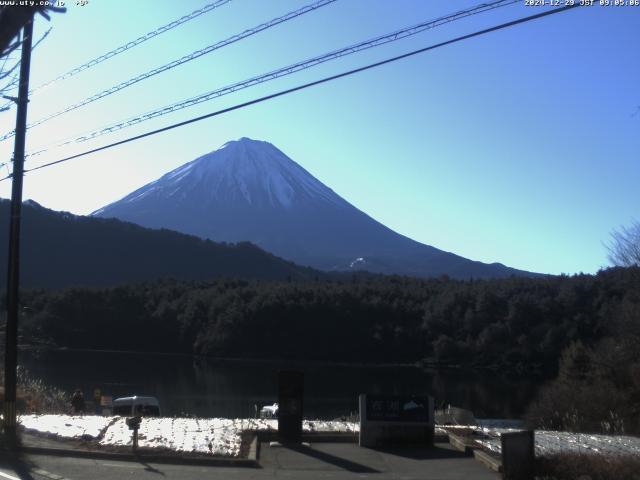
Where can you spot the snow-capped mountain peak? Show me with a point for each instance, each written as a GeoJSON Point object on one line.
{"type": "Point", "coordinates": [248, 190]}
{"type": "Point", "coordinates": [244, 171]}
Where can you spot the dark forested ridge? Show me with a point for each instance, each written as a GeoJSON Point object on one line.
{"type": "Point", "coordinates": [60, 249]}
{"type": "Point", "coordinates": [517, 324]}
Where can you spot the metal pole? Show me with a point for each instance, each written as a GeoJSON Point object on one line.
{"type": "Point", "coordinates": [13, 277]}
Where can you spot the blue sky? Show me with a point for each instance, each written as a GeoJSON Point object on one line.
{"type": "Point", "coordinates": [520, 146]}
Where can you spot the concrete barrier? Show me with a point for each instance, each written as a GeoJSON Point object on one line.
{"type": "Point", "coordinates": [488, 460]}
{"type": "Point", "coordinates": [462, 444]}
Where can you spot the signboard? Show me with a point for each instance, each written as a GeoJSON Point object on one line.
{"type": "Point", "coordinates": [397, 409]}
{"type": "Point", "coordinates": [396, 420]}
{"type": "Point", "coordinates": [106, 401]}
{"type": "Point", "coordinates": [290, 395]}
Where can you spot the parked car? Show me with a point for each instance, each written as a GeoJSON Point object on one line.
{"type": "Point", "coordinates": [136, 406]}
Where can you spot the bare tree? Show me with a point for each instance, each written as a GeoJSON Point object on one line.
{"type": "Point", "coordinates": [624, 246]}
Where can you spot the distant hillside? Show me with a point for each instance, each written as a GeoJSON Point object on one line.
{"type": "Point", "coordinates": [60, 249]}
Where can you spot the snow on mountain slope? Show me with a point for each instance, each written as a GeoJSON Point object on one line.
{"type": "Point", "coordinates": [248, 190]}
{"type": "Point", "coordinates": [248, 172]}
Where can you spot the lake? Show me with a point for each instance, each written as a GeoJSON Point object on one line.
{"type": "Point", "coordinates": [230, 388]}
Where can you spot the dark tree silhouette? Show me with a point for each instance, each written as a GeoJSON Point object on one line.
{"type": "Point", "coordinates": [12, 19]}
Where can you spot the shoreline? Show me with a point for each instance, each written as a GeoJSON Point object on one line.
{"type": "Point", "coordinates": [418, 364]}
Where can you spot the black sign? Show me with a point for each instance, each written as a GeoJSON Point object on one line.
{"type": "Point", "coordinates": [397, 409]}
{"type": "Point", "coordinates": [290, 394]}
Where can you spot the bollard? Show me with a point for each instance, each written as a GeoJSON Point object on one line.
{"type": "Point", "coordinates": [97, 396]}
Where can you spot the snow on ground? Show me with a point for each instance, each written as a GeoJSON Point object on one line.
{"type": "Point", "coordinates": [549, 443]}
{"type": "Point", "coordinates": [216, 436]}
{"type": "Point", "coordinates": [500, 423]}
{"type": "Point", "coordinates": [66, 426]}
{"type": "Point", "coordinates": [332, 426]}
{"type": "Point", "coordinates": [223, 436]}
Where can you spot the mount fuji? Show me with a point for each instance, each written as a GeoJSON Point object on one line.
{"type": "Point", "coordinates": [249, 190]}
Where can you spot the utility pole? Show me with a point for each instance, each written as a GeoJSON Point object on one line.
{"type": "Point", "coordinates": [13, 277]}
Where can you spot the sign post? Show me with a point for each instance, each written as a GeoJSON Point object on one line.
{"type": "Point", "coordinates": [106, 405]}
{"type": "Point", "coordinates": [134, 424]}
{"type": "Point", "coordinates": [97, 395]}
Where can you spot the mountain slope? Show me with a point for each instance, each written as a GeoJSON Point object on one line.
{"type": "Point", "coordinates": [250, 191]}
{"type": "Point", "coordinates": [61, 249]}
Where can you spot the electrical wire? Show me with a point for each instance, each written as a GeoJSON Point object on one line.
{"type": "Point", "coordinates": [187, 58]}
{"type": "Point", "coordinates": [129, 45]}
{"type": "Point", "coordinates": [310, 84]}
{"type": "Point", "coordinates": [281, 72]}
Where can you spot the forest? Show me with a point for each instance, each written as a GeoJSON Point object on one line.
{"type": "Point", "coordinates": [519, 324]}
{"type": "Point", "coordinates": [582, 329]}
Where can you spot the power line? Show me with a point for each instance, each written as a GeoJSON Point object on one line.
{"type": "Point", "coordinates": [308, 85]}
{"type": "Point", "coordinates": [187, 58]}
{"type": "Point", "coordinates": [284, 71]}
{"type": "Point", "coordinates": [123, 48]}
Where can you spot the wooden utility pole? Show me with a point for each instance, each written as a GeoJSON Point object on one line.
{"type": "Point", "coordinates": [13, 278]}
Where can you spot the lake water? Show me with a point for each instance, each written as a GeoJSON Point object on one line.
{"type": "Point", "coordinates": [227, 388]}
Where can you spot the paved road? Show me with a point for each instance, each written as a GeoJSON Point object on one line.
{"type": "Point", "coordinates": [337, 461]}
{"type": "Point", "coordinates": [7, 473]}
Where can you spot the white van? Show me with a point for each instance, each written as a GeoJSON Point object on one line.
{"type": "Point", "coordinates": [136, 406]}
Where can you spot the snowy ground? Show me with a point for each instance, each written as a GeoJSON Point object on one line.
{"type": "Point", "coordinates": [222, 436]}
{"type": "Point", "coordinates": [216, 436]}
{"type": "Point", "coordinates": [66, 426]}
{"type": "Point", "coordinates": [550, 442]}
